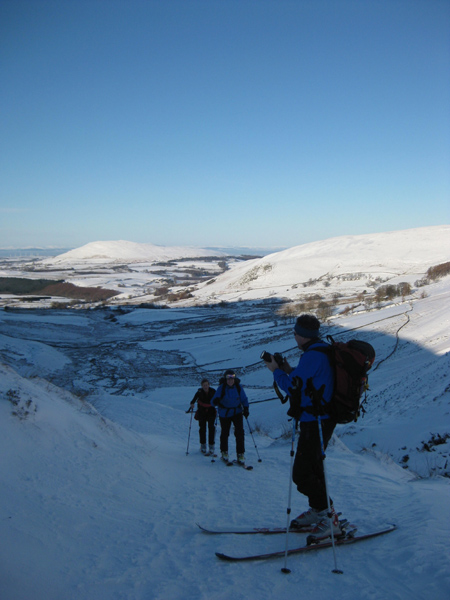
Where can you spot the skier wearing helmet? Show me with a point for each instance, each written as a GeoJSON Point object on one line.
{"type": "Point", "coordinates": [232, 402]}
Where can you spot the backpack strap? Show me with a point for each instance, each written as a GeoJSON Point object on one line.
{"type": "Point", "coordinates": [319, 405]}
{"type": "Point", "coordinates": [278, 392]}
{"type": "Point", "coordinates": [236, 383]}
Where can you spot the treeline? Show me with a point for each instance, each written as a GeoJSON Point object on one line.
{"type": "Point", "coordinates": [18, 285]}
{"type": "Point", "coordinates": [164, 293]}
{"type": "Point", "coordinates": [51, 287]}
{"type": "Point", "coordinates": [389, 292]}
{"type": "Point", "coordinates": [75, 292]}
{"type": "Point", "coordinates": [434, 273]}
{"type": "Point", "coordinates": [438, 271]}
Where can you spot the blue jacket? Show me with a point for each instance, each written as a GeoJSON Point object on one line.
{"type": "Point", "coordinates": [311, 364]}
{"type": "Point", "coordinates": [232, 402]}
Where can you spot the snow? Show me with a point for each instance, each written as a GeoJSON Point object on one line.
{"type": "Point", "coordinates": [100, 498]}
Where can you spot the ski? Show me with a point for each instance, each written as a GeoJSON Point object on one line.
{"type": "Point", "coordinates": [244, 466]}
{"type": "Point", "coordinates": [349, 538]}
{"type": "Point", "coordinates": [230, 463]}
{"type": "Point", "coordinates": [268, 530]}
{"type": "Point", "coordinates": [254, 530]}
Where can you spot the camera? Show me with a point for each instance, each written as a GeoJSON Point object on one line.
{"type": "Point", "coordinates": [267, 357]}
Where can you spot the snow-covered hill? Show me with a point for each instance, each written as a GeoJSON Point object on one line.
{"type": "Point", "coordinates": [127, 252]}
{"type": "Point", "coordinates": [346, 264]}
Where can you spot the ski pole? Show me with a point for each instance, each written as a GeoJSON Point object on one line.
{"type": "Point", "coordinates": [316, 397]}
{"type": "Point", "coordinates": [330, 516]}
{"type": "Point", "coordinates": [259, 401]}
{"type": "Point", "coordinates": [215, 429]}
{"type": "Point", "coordinates": [189, 436]}
{"type": "Point", "coordinates": [254, 443]}
{"type": "Point", "coordinates": [288, 511]}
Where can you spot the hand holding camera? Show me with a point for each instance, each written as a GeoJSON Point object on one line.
{"type": "Point", "coordinates": [275, 361]}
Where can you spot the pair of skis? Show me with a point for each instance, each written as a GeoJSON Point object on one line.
{"type": "Point", "coordinates": [348, 537]}
{"type": "Point", "coordinates": [230, 463]}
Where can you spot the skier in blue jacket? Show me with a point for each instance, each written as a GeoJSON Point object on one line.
{"type": "Point", "coordinates": [232, 402]}
{"type": "Point", "coordinates": [307, 473]}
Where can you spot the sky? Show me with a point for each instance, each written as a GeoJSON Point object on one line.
{"type": "Point", "coordinates": [260, 123]}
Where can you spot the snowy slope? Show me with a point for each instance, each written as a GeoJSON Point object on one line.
{"type": "Point", "coordinates": [91, 511]}
{"type": "Point", "coordinates": [102, 503]}
{"type": "Point", "coordinates": [392, 256]}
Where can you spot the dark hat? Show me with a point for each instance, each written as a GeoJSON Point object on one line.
{"type": "Point", "coordinates": [307, 326]}
{"type": "Point", "coordinates": [305, 332]}
{"type": "Point", "coordinates": [229, 372]}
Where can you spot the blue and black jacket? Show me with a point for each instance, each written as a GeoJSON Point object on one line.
{"type": "Point", "coordinates": [230, 399]}
{"type": "Point", "coordinates": [313, 368]}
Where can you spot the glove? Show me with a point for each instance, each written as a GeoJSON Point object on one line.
{"type": "Point", "coordinates": [245, 411]}
{"type": "Point", "coordinates": [190, 409]}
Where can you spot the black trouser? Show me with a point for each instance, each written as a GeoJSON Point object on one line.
{"type": "Point", "coordinates": [225, 424]}
{"type": "Point", "coordinates": [207, 417]}
{"type": "Point", "coordinates": [307, 472]}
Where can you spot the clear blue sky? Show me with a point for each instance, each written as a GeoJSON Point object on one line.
{"type": "Point", "coordinates": [222, 122]}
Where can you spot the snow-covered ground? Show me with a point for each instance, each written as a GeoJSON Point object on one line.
{"type": "Point", "coordinates": [100, 498]}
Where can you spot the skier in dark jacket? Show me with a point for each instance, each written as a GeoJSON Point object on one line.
{"type": "Point", "coordinates": [205, 415]}
{"type": "Point", "coordinates": [308, 471]}
{"type": "Point", "coordinates": [233, 407]}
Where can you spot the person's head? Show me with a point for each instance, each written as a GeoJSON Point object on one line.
{"type": "Point", "coordinates": [307, 328]}
{"type": "Point", "coordinates": [205, 384]}
{"type": "Point", "coordinates": [230, 377]}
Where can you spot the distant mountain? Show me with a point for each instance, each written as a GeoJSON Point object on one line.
{"type": "Point", "coordinates": [309, 268]}
{"type": "Point", "coordinates": [129, 252]}
{"type": "Point", "coordinates": [30, 252]}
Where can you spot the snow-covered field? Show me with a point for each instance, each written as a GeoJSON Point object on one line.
{"type": "Point", "coordinates": [103, 483]}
